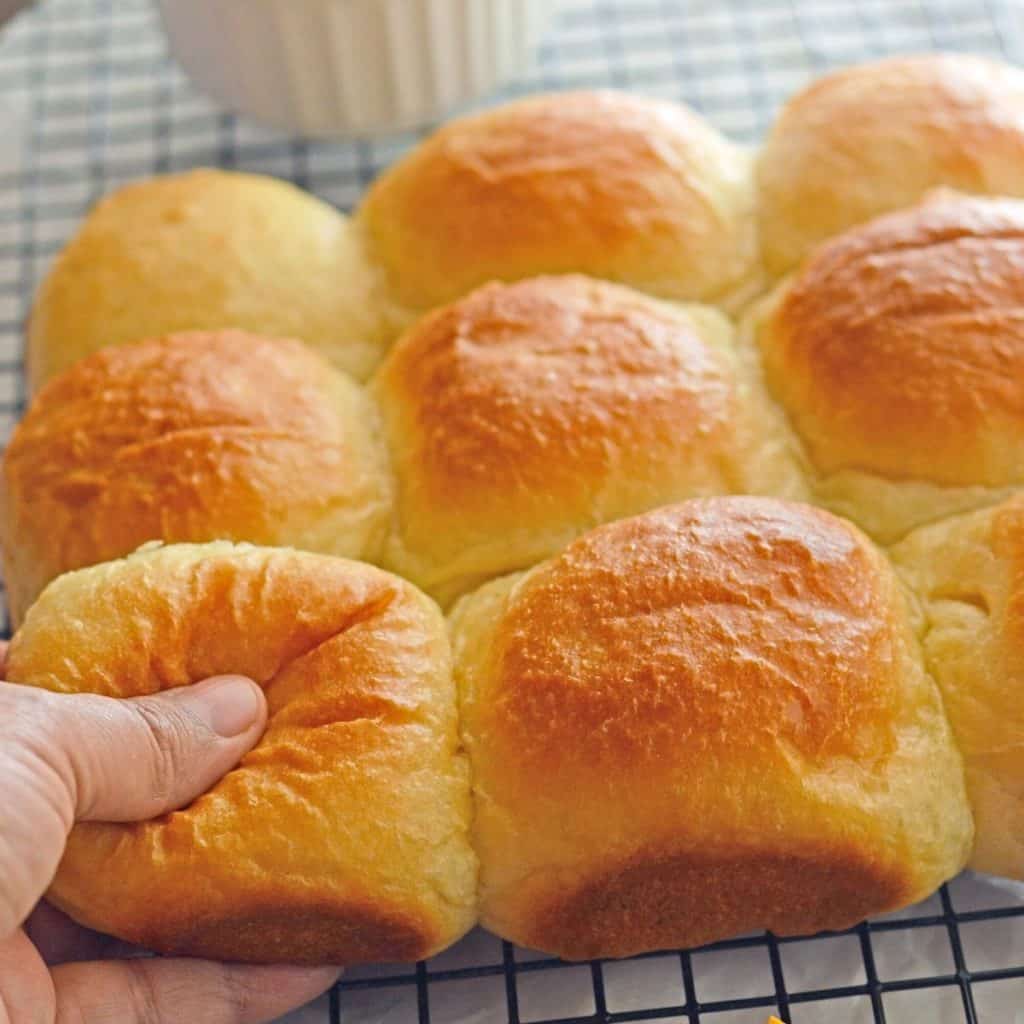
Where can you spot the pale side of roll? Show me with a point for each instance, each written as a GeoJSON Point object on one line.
{"type": "Point", "coordinates": [206, 250]}
{"type": "Point", "coordinates": [968, 573]}
{"type": "Point", "coordinates": [875, 137]}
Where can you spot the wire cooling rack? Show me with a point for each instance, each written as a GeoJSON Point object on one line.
{"type": "Point", "coordinates": [89, 100]}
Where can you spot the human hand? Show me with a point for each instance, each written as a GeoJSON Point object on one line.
{"type": "Point", "coordinates": [86, 758]}
{"type": "Point", "coordinates": [9, 8]}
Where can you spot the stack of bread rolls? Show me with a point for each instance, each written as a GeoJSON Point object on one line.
{"type": "Point", "coordinates": [711, 458]}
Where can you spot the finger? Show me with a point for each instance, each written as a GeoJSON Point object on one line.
{"type": "Point", "coordinates": [171, 991]}
{"type": "Point", "coordinates": [61, 940]}
{"type": "Point", "coordinates": [26, 991]}
{"type": "Point", "coordinates": [131, 760]}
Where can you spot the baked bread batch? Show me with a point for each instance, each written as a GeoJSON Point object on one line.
{"type": "Point", "coordinates": [711, 457]}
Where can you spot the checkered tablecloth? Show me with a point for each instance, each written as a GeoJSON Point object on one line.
{"type": "Point", "coordinates": [89, 100]}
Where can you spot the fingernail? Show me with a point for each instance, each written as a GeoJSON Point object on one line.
{"type": "Point", "coordinates": [230, 705]}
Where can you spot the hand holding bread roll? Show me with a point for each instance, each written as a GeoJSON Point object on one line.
{"type": "Point", "coordinates": [730, 728]}
{"type": "Point", "coordinates": [62, 760]}
{"type": "Point", "coordinates": [342, 836]}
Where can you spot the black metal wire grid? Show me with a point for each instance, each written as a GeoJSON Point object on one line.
{"type": "Point", "coordinates": [89, 100]}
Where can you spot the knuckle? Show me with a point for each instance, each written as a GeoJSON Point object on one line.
{"type": "Point", "coordinates": [208, 992]}
{"type": "Point", "coordinates": [236, 994]}
{"type": "Point", "coordinates": [143, 998]}
{"type": "Point", "coordinates": [168, 737]}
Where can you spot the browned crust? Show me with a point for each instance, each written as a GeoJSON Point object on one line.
{"type": "Point", "coordinates": [708, 718]}
{"type": "Point", "coordinates": [679, 901]}
{"type": "Point", "coordinates": [295, 928]}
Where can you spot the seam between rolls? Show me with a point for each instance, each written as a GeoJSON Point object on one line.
{"type": "Point", "coordinates": [381, 437]}
{"type": "Point", "coordinates": [924, 600]}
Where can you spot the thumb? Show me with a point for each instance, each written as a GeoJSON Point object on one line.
{"type": "Point", "coordinates": [65, 758]}
{"type": "Point", "coordinates": [130, 760]}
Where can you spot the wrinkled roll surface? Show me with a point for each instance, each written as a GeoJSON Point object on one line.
{"type": "Point", "coordinates": [615, 186]}
{"type": "Point", "coordinates": [209, 250]}
{"type": "Point", "coordinates": [192, 437]}
{"type": "Point", "coordinates": [969, 575]}
{"type": "Point", "coordinates": [342, 836]}
{"type": "Point", "coordinates": [875, 137]}
{"type": "Point", "coordinates": [523, 414]}
{"type": "Point", "coordinates": [898, 353]}
{"type": "Point", "coordinates": [705, 720]}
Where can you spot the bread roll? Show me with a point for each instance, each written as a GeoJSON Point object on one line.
{"type": "Point", "coordinates": [208, 250]}
{"type": "Point", "coordinates": [190, 437]}
{"type": "Point", "coordinates": [616, 186]}
{"type": "Point", "coordinates": [342, 836]}
{"type": "Point", "coordinates": [875, 137]}
{"type": "Point", "coordinates": [704, 720]}
{"type": "Point", "coordinates": [898, 352]}
{"type": "Point", "coordinates": [526, 413]}
{"type": "Point", "coordinates": [969, 574]}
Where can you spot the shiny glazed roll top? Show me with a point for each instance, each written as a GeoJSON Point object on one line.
{"type": "Point", "coordinates": [192, 437]}
{"type": "Point", "coordinates": [898, 353]}
{"type": "Point", "coordinates": [616, 186]}
{"type": "Point", "coordinates": [526, 413]}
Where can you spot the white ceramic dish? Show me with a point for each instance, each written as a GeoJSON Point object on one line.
{"type": "Point", "coordinates": [343, 67]}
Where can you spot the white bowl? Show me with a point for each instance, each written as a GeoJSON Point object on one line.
{"type": "Point", "coordinates": [341, 67]}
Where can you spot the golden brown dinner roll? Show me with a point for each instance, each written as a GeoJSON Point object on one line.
{"type": "Point", "coordinates": [898, 352]}
{"type": "Point", "coordinates": [525, 413]}
{"type": "Point", "coordinates": [191, 437]}
{"type": "Point", "coordinates": [707, 719]}
{"type": "Point", "coordinates": [875, 137]}
{"type": "Point", "coordinates": [616, 186]}
{"type": "Point", "coordinates": [208, 250]}
{"type": "Point", "coordinates": [342, 836]}
{"type": "Point", "coordinates": [969, 574]}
